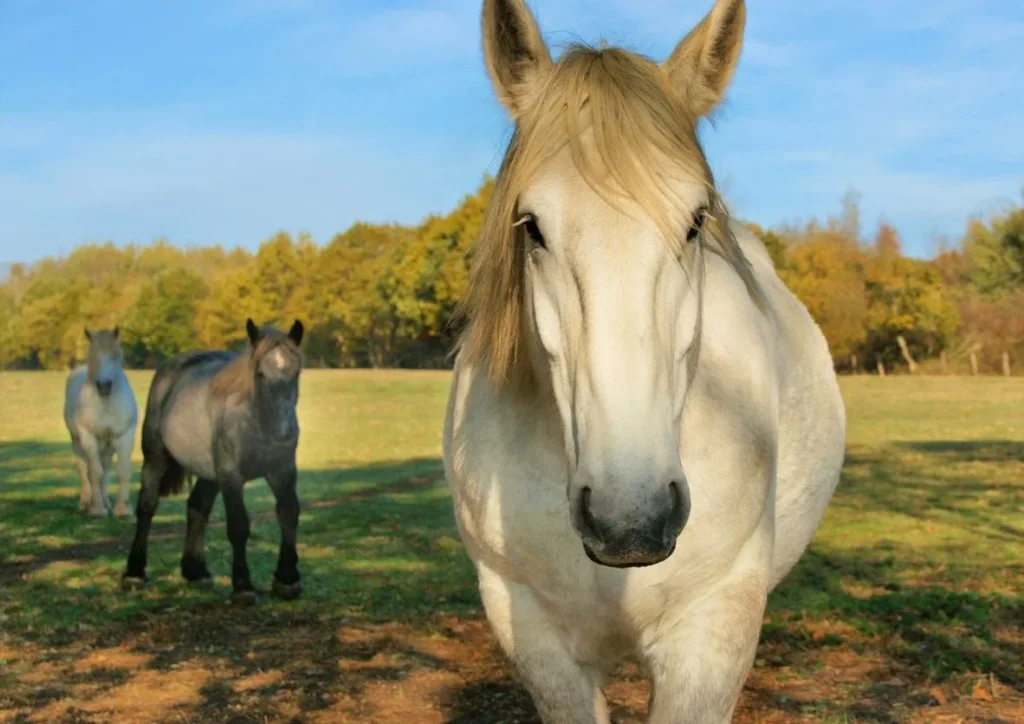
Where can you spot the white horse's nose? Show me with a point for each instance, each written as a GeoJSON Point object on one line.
{"type": "Point", "coordinates": [633, 534]}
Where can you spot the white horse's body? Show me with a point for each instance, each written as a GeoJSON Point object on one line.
{"type": "Point", "coordinates": [101, 425]}
{"type": "Point", "coordinates": [547, 601]}
{"type": "Point", "coordinates": [654, 408]}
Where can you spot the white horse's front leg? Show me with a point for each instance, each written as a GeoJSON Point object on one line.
{"type": "Point", "coordinates": [94, 464]}
{"type": "Point", "coordinates": [124, 445]}
{"type": "Point", "coordinates": [699, 666]}
{"type": "Point", "coordinates": [564, 690]}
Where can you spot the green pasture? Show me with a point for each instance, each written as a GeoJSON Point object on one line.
{"type": "Point", "coordinates": [920, 559]}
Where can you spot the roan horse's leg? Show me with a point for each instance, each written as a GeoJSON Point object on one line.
{"type": "Point", "coordinates": [564, 690]}
{"type": "Point", "coordinates": [154, 467]}
{"type": "Point", "coordinates": [286, 577]}
{"type": "Point", "coordinates": [124, 446]}
{"type": "Point", "coordinates": [200, 503]}
{"type": "Point", "coordinates": [699, 667]}
{"type": "Point", "coordinates": [238, 534]}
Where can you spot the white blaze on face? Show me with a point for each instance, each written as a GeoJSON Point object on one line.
{"type": "Point", "coordinates": [277, 359]}
{"type": "Point", "coordinates": [614, 314]}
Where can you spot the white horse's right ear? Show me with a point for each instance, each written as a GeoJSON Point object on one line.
{"type": "Point", "coordinates": [516, 56]}
{"type": "Point", "coordinates": [88, 334]}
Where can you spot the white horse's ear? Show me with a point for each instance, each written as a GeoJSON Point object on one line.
{"type": "Point", "coordinates": [702, 65]}
{"type": "Point", "coordinates": [253, 331]}
{"type": "Point", "coordinates": [88, 334]}
{"type": "Point", "coordinates": [516, 56]}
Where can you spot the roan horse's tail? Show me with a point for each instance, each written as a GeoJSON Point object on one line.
{"type": "Point", "coordinates": [174, 476]}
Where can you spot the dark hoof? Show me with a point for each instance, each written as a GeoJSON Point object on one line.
{"type": "Point", "coordinates": [286, 591]}
{"type": "Point", "coordinates": [131, 583]}
{"type": "Point", "coordinates": [202, 584]}
{"type": "Point", "coordinates": [245, 598]}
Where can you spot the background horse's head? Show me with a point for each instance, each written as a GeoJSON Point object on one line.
{"type": "Point", "coordinates": [105, 358]}
{"type": "Point", "coordinates": [275, 363]}
{"type": "Point", "coordinates": [588, 279]}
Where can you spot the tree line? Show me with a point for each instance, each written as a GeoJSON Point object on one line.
{"type": "Point", "coordinates": [385, 295]}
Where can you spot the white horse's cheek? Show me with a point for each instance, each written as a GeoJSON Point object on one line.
{"type": "Point", "coordinates": [549, 327]}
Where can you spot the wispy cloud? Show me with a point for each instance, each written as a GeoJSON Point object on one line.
{"type": "Point", "coordinates": [308, 114]}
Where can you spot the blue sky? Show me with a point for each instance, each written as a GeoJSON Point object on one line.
{"type": "Point", "coordinates": [223, 122]}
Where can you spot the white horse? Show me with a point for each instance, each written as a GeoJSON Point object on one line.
{"type": "Point", "coordinates": [644, 428]}
{"type": "Point", "coordinates": [101, 414]}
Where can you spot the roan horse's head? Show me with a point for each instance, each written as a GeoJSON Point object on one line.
{"type": "Point", "coordinates": [105, 358]}
{"type": "Point", "coordinates": [275, 364]}
{"type": "Point", "coordinates": [587, 281]}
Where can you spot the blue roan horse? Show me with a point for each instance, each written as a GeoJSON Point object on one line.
{"type": "Point", "coordinates": [225, 419]}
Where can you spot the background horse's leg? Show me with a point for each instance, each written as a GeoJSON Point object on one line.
{"type": "Point", "coordinates": [82, 465]}
{"type": "Point", "coordinates": [107, 461]}
{"type": "Point", "coordinates": [286, 577]}
{"type": "Point", "coordinates": [125, 445]}
{"type": "Point", "coordinates": [563, 690]}
{"type": "Point", "coordinates": [238, 534]}
{"type": "Point", "coordinates": [94, 465]}
{"type": "Point", "coordinates": [698, 669]}
{"type": "Point", "coordinates": [200, 503]}
{"type": "Point", "coordinates": [154, 467]}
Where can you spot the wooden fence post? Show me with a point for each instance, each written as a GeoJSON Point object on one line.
{"type": "Point", "coordinates": [881, 369]}
{"type": "Point", "coordinates": [942, 362]}
{"type": "Point", "coordinates": [1006, 363]}
{"type": "Point", "coordinates": [974, 359]}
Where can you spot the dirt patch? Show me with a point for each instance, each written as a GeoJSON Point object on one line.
{"type": "Point", "coordinates": [212, 664]}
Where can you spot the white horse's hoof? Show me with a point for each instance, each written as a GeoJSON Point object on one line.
{"type": "Point", "coordinates": [83, 504]}
{"type": "Point", "coordinates": [122, 510]}
{"type": "Point", "coordinates": [99, 512]}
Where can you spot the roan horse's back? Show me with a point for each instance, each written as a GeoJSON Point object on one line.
{"type": "Point", "coordinates": [177, 414]}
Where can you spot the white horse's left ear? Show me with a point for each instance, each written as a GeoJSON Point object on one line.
{"type": "Point", "coordinates": [702, 65]}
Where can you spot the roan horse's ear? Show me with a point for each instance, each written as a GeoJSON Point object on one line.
{"type": "Point", "coordinates": [117, 332]}
{"type": "Point", "coordinates": [88, 334]}
{"type": "Point", "coordinates": [295, 333]}
{"type": "Point", "coordinates": [253, 331]}
{"type": "Point", "coordinates": [702, 65]}
{"type": "Point", "coordinates": [515, 53]}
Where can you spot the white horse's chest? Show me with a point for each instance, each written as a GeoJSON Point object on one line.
{"type": "Point", "coordinates": [108, 417]}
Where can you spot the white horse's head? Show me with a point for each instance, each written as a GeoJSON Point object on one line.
{"type": "Point", "coordinates": [587, 282]}
{"type": "Point", "coordinates": [105, 359]}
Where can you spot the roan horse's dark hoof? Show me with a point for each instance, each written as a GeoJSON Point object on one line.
{"type": "Point", "coordinates": [245, 598]}
{"type": "Point", "coordinates": [202, 584]}
{"type": "Point", "coordinates": [131, 583]}
{"type": "Point", "coordinates": [286, 591]}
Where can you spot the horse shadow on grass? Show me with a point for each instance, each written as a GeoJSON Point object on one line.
{"type": "Point", "coordinates": [391, 600]}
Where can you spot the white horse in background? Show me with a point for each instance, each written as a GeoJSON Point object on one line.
{"type": "Point", "coordinates": [101, 414]}
{"type": "Point", "coordinates": [644, 428]}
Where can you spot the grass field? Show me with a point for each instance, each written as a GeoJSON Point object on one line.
{"type": "Point", "coordinates": [908, 606]}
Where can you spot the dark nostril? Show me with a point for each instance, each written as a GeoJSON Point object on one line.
{"type": "Point", "coordinates": [680, 512]}
{"type": "Point", "coordinates": [587, 520]}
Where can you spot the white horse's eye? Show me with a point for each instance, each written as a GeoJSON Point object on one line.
{"type": "Point", "coordinates": [532, 229]}
{"type": "Point", "coordinates": [698, 223]}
